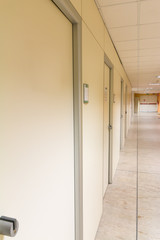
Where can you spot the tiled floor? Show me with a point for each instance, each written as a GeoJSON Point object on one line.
{"type": "Point", "coordinates": [149, 178]}
{"type": "Point", "coordinates": [120, 205]}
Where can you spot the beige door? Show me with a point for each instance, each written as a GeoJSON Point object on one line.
{"type": "Point", "coordinates": [36, 106]}
{"type": "Point", "coordinates": [105, 126]}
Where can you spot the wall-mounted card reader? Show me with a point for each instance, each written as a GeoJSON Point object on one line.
{"type": "Point", "coordinates": [8, 226]}
{"type": "Point", "coordinates": [85, 93]}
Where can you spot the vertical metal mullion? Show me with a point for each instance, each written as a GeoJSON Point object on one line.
{"type": "Point", "coordinates": [138, 62]}
{"type": "Point", "coordinates": [110, 123]}
{"type": "Point", "coordinates": [78, 131]}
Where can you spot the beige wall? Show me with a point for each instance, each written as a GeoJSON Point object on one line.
{"type": "Point", "coordinates": [96, 42]}
{"type": "Point", "coordinates": [92, 64]}
{"type": "Point", "coordinates": [116, 119]}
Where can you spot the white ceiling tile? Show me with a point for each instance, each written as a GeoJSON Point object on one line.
{"type": "Point", "coordinates": [149, 71]}
{"type": "Point", "coordinates": [149, 68]}
{"type": "Point", "coordinates": [142, 65]}
{"type": "Point", "coordinates": [129, 60]}
{"type": "Point", "coordinates": [130, 70]}
{"type": "Point", "coordinates": [114, 2]}
{"type": "Point", "coordinates": [149, 59]}
{"type": "Point", "coordinates": [149, 52]}
{"type": "Point", "coordinates": [121, 18]}
{"type": "Point", "coordinates": [150, 31]}
{"type": "Point", "coordinates": [130, 64]}
{"type": "Point", "coordinates": [141, 53]}
{"type": "Point", "coordinates": [149, 43]}
{"type": "Point", "coordinates": [146, 75]}
{"type": "Point", "coordinates": [120, 15]}
{"type": "Point", "coordinates": [124, 33]}
{"type": "Point", "coordinates": [128, 53]}
{"type": "Point", "coordinates": [150, 11]}
{"type": "Point", "coordinates": [130, 45]}
{"type": "Point", "coordinates": [130, 67]}
{"type": "Point", "coordinates": [142, 72]}
{"type": "Point", "coordinates": [152, 64]}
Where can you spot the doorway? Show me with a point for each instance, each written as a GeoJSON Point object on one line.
{"type": "Point", "coordinates": [136, 104]}
{"type": "Point", "coordinates": [107, 126]}
{"type": "Point", "coordinates": [121, 116]}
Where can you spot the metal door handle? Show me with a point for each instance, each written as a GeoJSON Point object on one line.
{"type": "Point", "coordinates": [110, 127]}
{"type": "Point", "coordinates": [8, 226]}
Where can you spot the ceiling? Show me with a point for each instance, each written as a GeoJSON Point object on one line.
{"type": "Point", "coordinates": [134, 26]}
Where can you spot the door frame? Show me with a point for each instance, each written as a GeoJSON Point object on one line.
{"type": "Point", "coordinates": [126, 109]}
{"type": "Point", "coordinates": [110, 154]}
{"type": "Point", "coordinates": [121, 114]}
{"type": "Point", "coordinates": [72, 15]}
{"type": "Point", "coordinates": [136, 104]}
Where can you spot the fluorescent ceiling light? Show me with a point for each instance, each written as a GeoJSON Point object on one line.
{"type": "Point", "coordinates": [155, 84]}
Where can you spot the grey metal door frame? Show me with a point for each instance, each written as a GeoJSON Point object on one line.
{"type": "Point", "coordinates": [121, 114]}
{"type": "Point", "coordinates": [110, 127]}
{"type": "Point", "coordinates": [126, 110]}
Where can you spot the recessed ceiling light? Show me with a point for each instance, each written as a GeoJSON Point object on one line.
{"type": "Point", "coordinates": [155, 84]}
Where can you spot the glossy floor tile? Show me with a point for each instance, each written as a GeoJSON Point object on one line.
{"type": "Point", "coordinates": [119, 210]}
{"type": "Point", "coordinates": [119, 216]}
{"type": "Point", "coordinates": [149, 178]}
{"type": "Point", "coordinates": [120, 202]}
